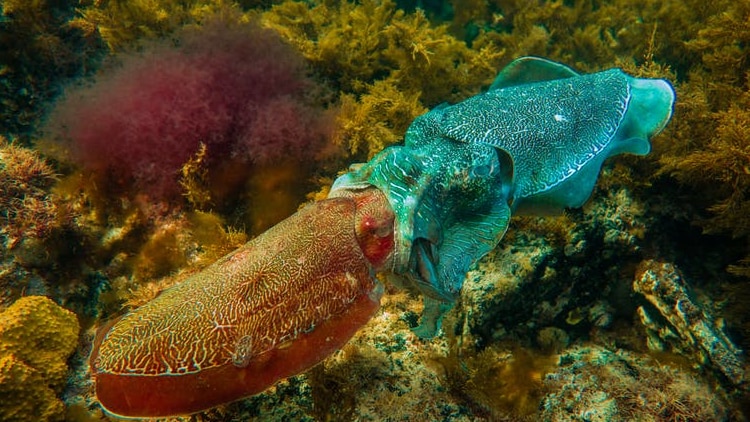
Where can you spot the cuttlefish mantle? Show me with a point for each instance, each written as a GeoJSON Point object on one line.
{"type": "Point", "coordinates": [557, 126]}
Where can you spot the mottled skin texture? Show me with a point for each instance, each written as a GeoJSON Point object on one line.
{"type": "Point", "coordinates": [534, 143]}
{"type": "Point", "coordinates": [423, 213]}
{"type": "Point", "coordinates": [269, 310]}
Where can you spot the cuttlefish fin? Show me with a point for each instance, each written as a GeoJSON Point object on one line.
{"type": "Point", "coordinates": [527, 70]}
{"type": "Point", "coordinates": [570, 193]}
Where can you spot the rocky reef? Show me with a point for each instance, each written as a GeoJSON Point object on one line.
{"type": "Point", "coordinates": [689, 329]}
{"type": "Point", "coordinates": [634, 307]}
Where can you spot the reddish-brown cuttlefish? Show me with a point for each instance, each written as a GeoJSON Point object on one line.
{"type": "Point", "coordinates": [422, 212]}
{"type": "Point", "coordinates": [271, 309]}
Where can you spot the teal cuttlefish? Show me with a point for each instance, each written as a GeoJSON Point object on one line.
{"type": "Point", "coordinates": [422, 213]}
{"type": "Point", "coordinates": [534, 143]}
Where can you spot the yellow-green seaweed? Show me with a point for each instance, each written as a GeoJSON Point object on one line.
{"type": "Point", "coordinates": [388, 65]}
{"type": "Point", "coordinates": [124, 24]}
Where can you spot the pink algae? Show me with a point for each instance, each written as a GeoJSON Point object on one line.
{"type": "Point", "coordinates": [238, 89]}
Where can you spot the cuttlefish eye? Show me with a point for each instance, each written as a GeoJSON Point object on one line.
{"type": "Point", "coordinates": [484, 170]}
{"type": "Point", "coordinates": [374, 226]}
{"type": "Point", "coordinates": [483, 165]}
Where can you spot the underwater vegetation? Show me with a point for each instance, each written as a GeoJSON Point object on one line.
{"type": "Point", "coordinates": [125, 25]}
{"type": "Point", "coordinates": [553, 305]}
{"type": "Point", "coordinates": [168, 143]}
{"type": "Point", "coordinates": [388, 65]}
{"type": "Point", "coordinates": [224, 86]}
{"type": "Point", "coordinates": [36, 338]}
{"type": "Point", "coordinates": [26, 208]}
{"type": "Point", "coordinates": [38, 50]}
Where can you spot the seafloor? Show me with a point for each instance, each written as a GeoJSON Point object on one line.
{"type": "Point", "coordinates": [142, 140]}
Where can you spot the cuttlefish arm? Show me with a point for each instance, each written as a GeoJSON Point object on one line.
{"type": "Point", "coordinates": [451, 207]}
{"type": "Point", "coordinates": [269, 310]}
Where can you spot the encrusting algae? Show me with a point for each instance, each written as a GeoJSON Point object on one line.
{"type": "Point", "coordinates": [36, 339]}
{"type": "Point", "coordinates": [551, 308]}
